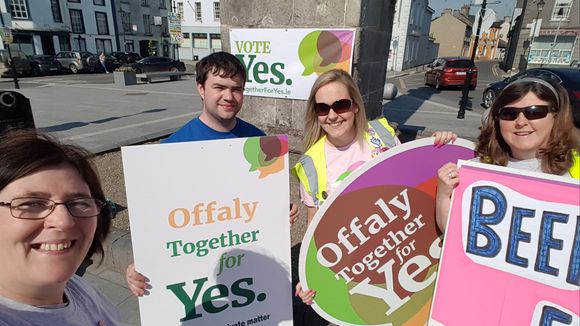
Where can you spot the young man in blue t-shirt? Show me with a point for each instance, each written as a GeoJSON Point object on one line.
{"type": "Point", "coordinates": [220, 79]}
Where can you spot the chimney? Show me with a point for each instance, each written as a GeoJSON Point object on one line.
{"type": "Point", "coordinates": [446, 11]}
{"type": "Point", "coordinates": [507, 19]}
{"type": "Point", "coordinates": [465, 10]}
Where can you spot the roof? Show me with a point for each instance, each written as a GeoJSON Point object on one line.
{"type": "Point", "coordinates": [464, 19]}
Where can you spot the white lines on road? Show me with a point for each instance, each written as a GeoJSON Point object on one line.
{"type": "Point", "coordinates": [135, 125]}
{"type": "Point", "coordinates": [128, 90]}
{"type": "Point", "coordinates": [452, 109]}
{"type": "Point", "coordinates": [402, 83]}
{"type": "Point", "coordinates": [469, 114]}
{"type": "Point", "coordinates": [495, 69]}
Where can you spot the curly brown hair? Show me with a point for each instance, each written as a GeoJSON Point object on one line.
{"type": "Point", "coordinates": [557, 156]}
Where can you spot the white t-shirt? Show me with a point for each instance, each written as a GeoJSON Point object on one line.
{"type": "Point", "coordinates": [86, 306]}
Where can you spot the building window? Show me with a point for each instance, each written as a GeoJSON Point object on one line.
{"type": "Point", "coordinates": [200, 41]}
{"type": "Point", "coordinates": [180, 11]}
{"type": "Point", "coordinates": [145, 3]}
{"type": "Point", "coordinates": [147, 24]}
{"type": "Point", "coordinates": [55, 7]}
{"type": "Point", "coordinates": [126, 22]}
{"type": "Point", "coordinates": [216, 11]}
{"type": "Point", "coordinates": [129, 46]}
{"type": "Point", "coordinates": [561, 9]}
{"type": "Point", "coordinates": [104, 45]}
{"type": "Point", "coordinates": [162, 4]}
{"type": "Point", "coordinates": [64, 43]}
{"type": "Point", "coordinates": [76, 21]}
{"type": "Point", "coordinates": [77, 1]}
{"type": "Point", "coordinates": [198, 11]}
{"type": "Point", "coordinates": [79, 44]}
{"type": "Point", "coordinates": [102, 23]}
{"type": "Point", "coordinates": [185, 41]}
{"type": "Point", "coordinates": [99, 2]}
{"type": "Point", "coordinates": [216, 42]}
{"type": "Point", "coordinates": [18, 9]}
{"type": "Point", "coordinates": [164, 25]}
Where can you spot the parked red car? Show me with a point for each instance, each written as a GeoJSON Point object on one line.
{"type": "Point", "coordinates": [450, 71]}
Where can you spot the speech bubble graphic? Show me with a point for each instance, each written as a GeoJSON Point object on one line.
{"type": "Point", "coordinates": [320, 51]}
{"type": "Point", "coordinates": [329, 47]}
{"type": "Point", "coordinates": [265, 154]}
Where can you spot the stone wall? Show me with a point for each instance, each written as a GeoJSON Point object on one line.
{"type": "Point", "coordinates": [373, 22]}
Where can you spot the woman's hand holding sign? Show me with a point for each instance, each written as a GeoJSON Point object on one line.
{"type": "Point", "coordinates": [307, 296]}
{"type": "Point", "coordinates": [138, 284]}
{"type": "Point", "coordinates": [447, 180]}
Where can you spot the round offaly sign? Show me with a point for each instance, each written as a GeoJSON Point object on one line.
{"type": "Point", "coordinates": [372, 250]}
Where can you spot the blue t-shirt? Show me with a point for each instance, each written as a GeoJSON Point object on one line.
{"type": "Point", "coordinates": [197, 130]}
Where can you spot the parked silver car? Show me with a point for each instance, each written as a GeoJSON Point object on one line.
{"type": "Point", "coordinates": [76, 61]}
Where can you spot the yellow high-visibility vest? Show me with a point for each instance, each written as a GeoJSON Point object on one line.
{"type": "Point", "coordinates": [311, 168]}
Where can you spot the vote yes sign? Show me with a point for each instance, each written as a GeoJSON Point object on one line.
{"type": "Point", "coordinates": [512, 250]}
{"type": "Point", "coordinates": [372, 250]}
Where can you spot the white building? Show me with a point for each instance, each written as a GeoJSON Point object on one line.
{"type": "Point", "coordinates": [410, 44]}
{"type": "Point", "coordinates": [47, 27]}
{"type": "Point", "coordinates": [200, 26]}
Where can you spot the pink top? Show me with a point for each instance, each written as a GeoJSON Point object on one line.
{"type": "Point", "coordinates": [340, 162]}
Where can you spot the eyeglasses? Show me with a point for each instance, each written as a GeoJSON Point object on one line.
{"type": "Point", "coordinates": [340, 106]}
{"type": "Point", "coordinates": [532, 112]}
{"type": "Point", "coordinates": [30, 208]}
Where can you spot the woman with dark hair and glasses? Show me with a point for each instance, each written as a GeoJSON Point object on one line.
{"type": "Point", "coordinates": [338, 140]}
{"type": "Point", "coordinates": [529, 127]}
{"type": "Point", "coordinates": [53, 217]}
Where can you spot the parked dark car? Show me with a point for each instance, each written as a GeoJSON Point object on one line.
{"type": "Point", "coordinates": [126, 57]}
{"type": "Point", "coordinates": [78, 61]}
{"type": "Point", "coordinates": [569, 78]}
{"type": "Point", "coordinates": [153, 64]}
{"type": "Point", "coordinates": [19, 58]}
{"type": "Point", "coordinates": [450, 71]}
{"type": "Point", "coordinates": [44, 64]}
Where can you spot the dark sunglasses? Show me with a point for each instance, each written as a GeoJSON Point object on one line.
{"type": "Point", "coordinates": [340, 106]}
{"type": "Point", "coordinates": [532, 112]}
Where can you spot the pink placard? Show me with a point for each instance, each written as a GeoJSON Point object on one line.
{"type": "Point", "coordinates": [511, 254]}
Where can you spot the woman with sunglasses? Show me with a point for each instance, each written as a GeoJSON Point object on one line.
{"type": "Point", "coordinates": [52, 218]}
{"type": "Point", "coordinates": [338, 140]}
{"type": "Point", "coordinates": [529, 127]}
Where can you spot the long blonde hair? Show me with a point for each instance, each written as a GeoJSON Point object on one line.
{"type": "Point", "coordinates": [312, 129]}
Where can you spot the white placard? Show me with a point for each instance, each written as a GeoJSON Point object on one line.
{"type": "Point", "coordinates": [284, 63]}
{"type": "Point", "coordinates": [210, 229]}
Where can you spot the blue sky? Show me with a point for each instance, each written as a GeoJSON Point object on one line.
{"type": "Point", "coordinates": [505, 8]}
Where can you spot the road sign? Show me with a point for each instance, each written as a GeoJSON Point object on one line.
{"type": "Point", "coordinates": [488, 20]}
{"type": "Point", "coordinates": [7, 35]}
{"type": "Point", "coordinates": [174, 28]}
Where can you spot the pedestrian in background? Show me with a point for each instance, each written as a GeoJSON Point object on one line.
{"type": "Point", "coordinates": [53, 217]}
{"type": "Point", "coordinates": [103, 61]}
{"type": "Point", "coordinates": [529, 127]}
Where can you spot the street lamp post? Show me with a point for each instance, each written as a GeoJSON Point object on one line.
{"type": "Point", "coordinates": [467, 84]}
{"type": "Point", "coordinates": [12, 65]}
{"type": "Point", "coordinates": [540, 6]}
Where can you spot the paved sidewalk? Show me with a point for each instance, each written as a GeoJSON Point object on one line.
{"type": "Point", "coordinates": [112, 283]}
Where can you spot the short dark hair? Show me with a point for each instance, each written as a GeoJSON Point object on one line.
{"type": "Point", "coordinates": [27, 151]}
{"type": "Point", "coordinates": [222, 63]}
